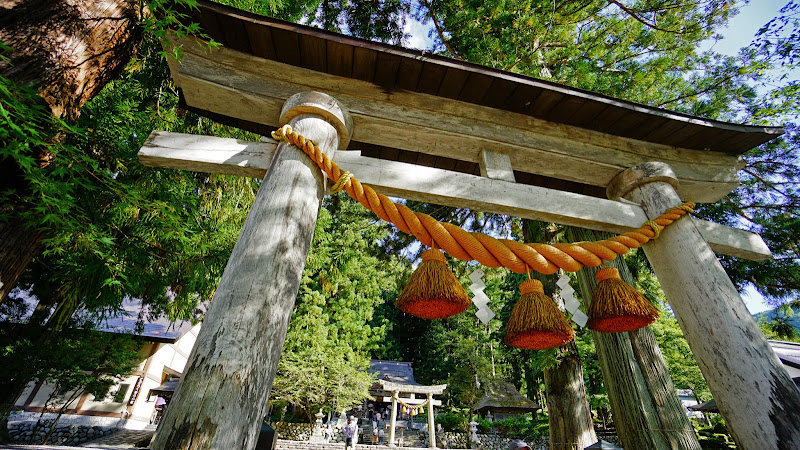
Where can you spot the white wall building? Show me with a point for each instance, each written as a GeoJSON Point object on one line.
{"type": "Point", "coordinates": [129, 404]}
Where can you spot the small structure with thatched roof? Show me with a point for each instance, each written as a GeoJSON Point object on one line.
{"type": "Point", "coordinates": [503, 400]}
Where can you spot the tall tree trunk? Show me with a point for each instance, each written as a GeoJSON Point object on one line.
{"type": "Point", "coordinates": [570, 419]}
{"type": "Point", "coordinates": [67, 50]}
{"type": "Point", "coordinates": [18, 245]}
{"type": "Point", "coordinates": [647, 411]}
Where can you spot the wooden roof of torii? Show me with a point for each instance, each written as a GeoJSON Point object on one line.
{"type": "Point", "coordinates": [391, 386]}
{"type": "Point", "coordinates": [416, 107]}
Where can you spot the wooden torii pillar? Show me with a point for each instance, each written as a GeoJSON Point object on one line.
{"type": "Point", "coordinates": [222, 397]}
{"type": "Point", "coordinates": [732, 352]}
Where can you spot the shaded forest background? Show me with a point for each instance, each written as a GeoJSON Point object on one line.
{"type": "Point", "coordinates": [84, 225]}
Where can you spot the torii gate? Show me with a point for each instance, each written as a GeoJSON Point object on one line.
{"type": "Point", "coordinates": [407, 107]}
{"type": "Point", "coordinates": [394, 390]}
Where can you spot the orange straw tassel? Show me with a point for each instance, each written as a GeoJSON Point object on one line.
{"type": "Point", "coordinates": [616, 306]}
{"type": "Point", "coordinates": [536, 323]}
{"type": "Point", "coordinates": [433, 292]}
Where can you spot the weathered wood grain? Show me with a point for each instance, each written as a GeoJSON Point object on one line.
{"type": "Point", "coordinates": [758, 399]}
{"type": "Point", "coordinates": [496, 166]}
{"type": "Point", "coordinates": [183, 151]}
{"type": "Point", "coordinates": [222, 397]}
{"type": "Point", "coordinates": [647, 412]}
{"type": "Point", "coordinates": [243, 86]}
{"type": "Point", "coordinates": [207, 154]}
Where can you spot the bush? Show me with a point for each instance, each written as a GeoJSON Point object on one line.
{"type": "Point", "coordinates": [453, 422]}
{"type": "Point", "coordinates": [483, 425]}
{"type": "Point", "coordinates": [518, 427]}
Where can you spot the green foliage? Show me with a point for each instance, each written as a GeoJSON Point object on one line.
{"type": "Point", "coordinates": [28, 140]}
{"type": "Point", "coordinates": [118, 229]}
{"type": "Point", "coordinates": [329, 378]}
{"type": "Point", "coordinates": [629, 51]}
{"type": "Point", "coordinates": [520, 427]}
{"type": "Point", "coordinates": [453, 421]}
{"type": "Point", "coordinates": [715, 435]}
{"type": "Point", "coordinates": [780, 37]}
{"type": "Point", "coordinates": [72, 361]}
{"type": "Point", "coordinates": [682, 366]}
{"type": "Point", "coordinates": [333, 326]}
{"type": "Point", "coordinates": [483, 425]}
{"type": "Point", "coordinates": [780, 323]}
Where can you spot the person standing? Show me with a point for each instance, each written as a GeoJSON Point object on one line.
{"type": "Point", "coordinates": [351, 434]}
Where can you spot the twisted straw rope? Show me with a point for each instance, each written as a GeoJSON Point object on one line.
{"type": "Point", "coordinates": [468, 246]}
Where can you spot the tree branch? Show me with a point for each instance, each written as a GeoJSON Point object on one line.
{"type": "Point", "coordinates": [633, 14]}
{"type": "Point", "coordinates": [440, 31]}
{"type": "Point", "coordinates": [768, 183]}
{"type": "Point", "coordinates": [690, 94]}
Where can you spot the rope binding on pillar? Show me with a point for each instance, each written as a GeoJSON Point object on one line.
{"type": "Point", "coordinates": [444, 301]}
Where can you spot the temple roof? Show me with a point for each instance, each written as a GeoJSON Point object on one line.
{"type": "Point", "coordinates": [414, 107]}
{"type": "Point", "coordinates": [787, 352]}
{"type": "Point", "coordinates": [393, 67]}
{"type": "Point", "coordinates": [398, 376]}
{"type": "Point", "coordinates": [504, 397]}
{"type": "Point", "coordinates": [394, 371]}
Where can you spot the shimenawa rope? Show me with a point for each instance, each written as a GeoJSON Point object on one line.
{"type": "Point", "coordinates": [459, 243]}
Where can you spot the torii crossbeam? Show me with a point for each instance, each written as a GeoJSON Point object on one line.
{"type": "Point", "coordinates": [425, 126]}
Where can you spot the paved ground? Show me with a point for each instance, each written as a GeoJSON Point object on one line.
{"type": "Point", "coordinates": [122, 439]}
{"type": "Point", "coordinates": [127, 439]}
{"type": "Point", "coordinates": [36, 447]}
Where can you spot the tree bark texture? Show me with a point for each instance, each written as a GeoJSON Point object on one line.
{"type": "Point", "coordinates": [647, 412]}
{"type": "Point", "coordinates": [570, 419]}
{"type": "Point", "coordinates": [754, 392]}
{"type": "Point", "coordinates": [67, 49]}
{"type": "Point", "coordinates": [222, 398]}
{"type": "Point", "coordinates": [18, 246]}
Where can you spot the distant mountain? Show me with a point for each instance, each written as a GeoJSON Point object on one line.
{"type": "Point", "coordinates": [769, 315]}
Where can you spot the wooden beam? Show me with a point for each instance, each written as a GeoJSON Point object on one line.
{"type": "Point", "coordinates": [229, 156]}
{"type": "Point", "coordinates": [242, 86]}
{"type": "Point", "coordinates": [412, 388]}
{"type": "Point", "coordinates": [207, 154]}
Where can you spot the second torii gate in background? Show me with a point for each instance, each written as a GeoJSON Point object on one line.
{"type": "Point", "coordinates": [421, 122]}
